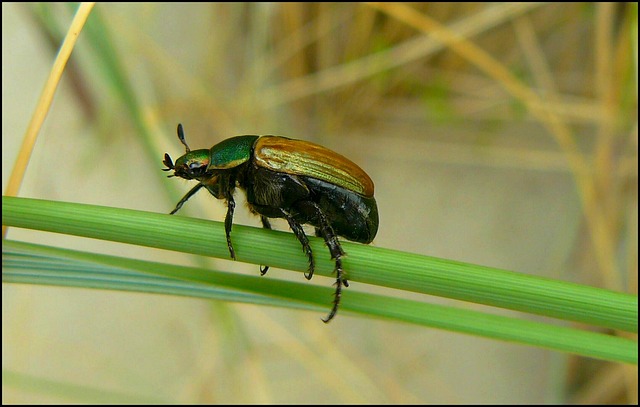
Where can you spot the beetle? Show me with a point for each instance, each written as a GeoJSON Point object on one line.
{"type": "Point", "coordinates": [299, 181]}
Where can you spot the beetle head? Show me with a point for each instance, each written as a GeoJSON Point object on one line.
{"type": "Point", "coordinates": [192, 165]}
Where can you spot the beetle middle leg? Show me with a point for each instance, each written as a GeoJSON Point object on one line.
{"type": "Point", "coordinates": [266, 225]}
{"type": "Point", "coordinates": [297, 229]}
{"type": "Point", "coordinates": [271, 212]}
{"type": "Point", "coordinates": [228, 222]}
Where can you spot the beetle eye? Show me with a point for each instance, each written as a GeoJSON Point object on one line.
{"type": "Point", "coordinates": [197, 168]}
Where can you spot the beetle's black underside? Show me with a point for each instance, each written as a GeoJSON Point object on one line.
{"type": "Point", "coordinates": [302, 200]}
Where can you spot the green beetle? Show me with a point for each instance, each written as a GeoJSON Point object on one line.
{"type": "Point", "coordinates": [296, 180]}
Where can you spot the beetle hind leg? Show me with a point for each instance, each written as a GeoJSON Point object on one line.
{"type": "Point", "coordinates": [325, 231]}
{"type": "Point", "coordinates": [336, 254]}
{"type": "Point", "coordinates": [319, 233]}
{"type": "Point", "coordinates": [338, 293]}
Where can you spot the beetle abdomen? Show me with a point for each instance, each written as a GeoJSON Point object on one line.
{"type": "Point", "coordinates": [351, 215]}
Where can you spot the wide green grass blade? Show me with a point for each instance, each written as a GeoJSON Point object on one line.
{"type": "Point", "coordinates": [33, 264]}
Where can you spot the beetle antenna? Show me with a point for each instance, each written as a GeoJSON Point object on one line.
{"type": "Point", "coordinates": [168, 163]}
{"type": "Point", "coordinates": [181, 136]}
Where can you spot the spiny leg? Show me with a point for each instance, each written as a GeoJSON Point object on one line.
{"type": "Point", "coordinates": [228, 221]}
{"type": "Point", "coordinates": [297, 229]}
{"type": "Point", "coordinates": [331, 240]}
{"type": "Point", "coordinates": [336, 253]}
{"type": "Point", "coordinates": [185, 198]}
{"type": "Point", "coordinates": [338, 293]}
{"type": "Point", "coordinates": [319, 234]}
{"type": "Point", "coordinates": [266, 225]}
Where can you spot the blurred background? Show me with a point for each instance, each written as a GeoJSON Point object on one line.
{"type": "Point", "coordinates": [507, 147]}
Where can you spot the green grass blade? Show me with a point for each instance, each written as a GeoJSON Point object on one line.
{"type": "Point", "coordinates": [29, 263]}
{"type": "Point", "coordinates": [367, 264]}
{"type": "Point", "coordinates": [76, 393]}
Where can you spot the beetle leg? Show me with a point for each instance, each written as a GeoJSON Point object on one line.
{"type": "Point", "coordinates": [228, 221]}
{"type": "Point", "coordinates": [319, 234]}
{"type": "Point", "coordinates": [338, 293]}
{"type": "Point", "coordinates": [297, 229]}
{"type": "Point", "coordinates": [186, 198]}
{"type": "Point", "coordinates": [265, 222]}
{"type": "Point", "coordinates": [266, 225]}
{"type": "Point", "coordinates": [336, 253]}
{"type": "Point", "coordinates": [331, 240]}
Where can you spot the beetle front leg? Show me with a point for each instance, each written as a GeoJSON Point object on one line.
{"type": "Point", "coordinates": [228, 222]}
{"type": "Point", "coordinates": [266, 225]}
{"type": "Point", "coordinates": [186, 198]}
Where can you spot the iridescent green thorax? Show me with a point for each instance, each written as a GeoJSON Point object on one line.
{"type": "Point", "coordinates": [231, 152]}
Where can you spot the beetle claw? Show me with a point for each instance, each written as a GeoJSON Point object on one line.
{"type": "Point", "coordinates": [309, 275]}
